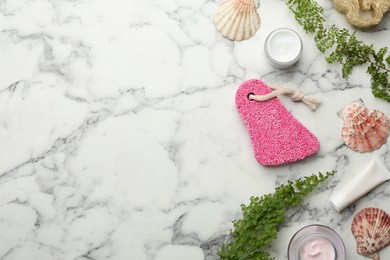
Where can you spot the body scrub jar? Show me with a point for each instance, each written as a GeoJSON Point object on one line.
{"type": "Point", "coordinates": [316, 242]}
{"type": "Point", "coordinates": [283, 48]}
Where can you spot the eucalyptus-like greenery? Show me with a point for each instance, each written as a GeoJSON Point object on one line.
{"type": "Point", "coordinates": [341, 46]}
{"type": "Point", "coordinates": [262, 218]}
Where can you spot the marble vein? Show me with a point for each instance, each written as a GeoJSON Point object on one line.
{"type": "Point", "coordinates": [120, 137]}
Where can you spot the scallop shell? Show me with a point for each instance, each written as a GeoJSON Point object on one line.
{"type": "Point", "coordinates": [237, 20]}
{"type": "Point", "coordinates": [364, 129]}
{"type": "Point", "coordinates": [371, 229]}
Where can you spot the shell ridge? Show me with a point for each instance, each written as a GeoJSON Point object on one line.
{"type": "Point", "coordinates": [241, 31]}
{"type": "Point", "coordinates": [240, 23]}
{"type": "Point", "coordinates": [230, 25]}
{"type": "Point", "coordinates": [223, 15]}
{"type": "Point", "coordinates": [238, 17]}
{"type": "Point", "coordinates": [245, 23]}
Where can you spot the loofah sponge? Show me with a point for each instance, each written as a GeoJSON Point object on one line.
{"type": "Point", "coordinates": [362, 13]}
{"type": "Point", "coordinates": [277, 136]}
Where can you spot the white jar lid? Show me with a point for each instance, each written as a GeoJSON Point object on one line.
{"type": "Point", "coordinates": [283, 48]}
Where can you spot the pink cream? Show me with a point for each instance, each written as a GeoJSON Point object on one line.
{"type": "Point", "coordinates": [317, 249]}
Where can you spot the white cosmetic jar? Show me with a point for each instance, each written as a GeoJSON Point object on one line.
{"type": "Point", "coordinates": [283, 48]}
{"type": "Point", "coordinates": [303, 237]}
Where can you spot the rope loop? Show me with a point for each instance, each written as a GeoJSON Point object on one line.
{"type": "Point", "coordinates": [295, 95]}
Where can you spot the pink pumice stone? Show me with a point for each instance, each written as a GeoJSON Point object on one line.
{"type": "Point", "coordinates": [277, 136]}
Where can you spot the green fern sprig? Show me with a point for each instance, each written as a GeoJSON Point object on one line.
{"type": "Point", "coordinates": [261, 219]}
{"type": "Point", "coordinates": [341, 46]}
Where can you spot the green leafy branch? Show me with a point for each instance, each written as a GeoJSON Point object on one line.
{"type": "Point", "coordinates": [342, 47]}
{"type": "Point", "coordinates": [253, 234]}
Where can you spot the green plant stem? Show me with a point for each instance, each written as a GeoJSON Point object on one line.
{"type": "Point", "coordinates": [253, 234]}
{"type": "Point", "coordinates": [340, 46]}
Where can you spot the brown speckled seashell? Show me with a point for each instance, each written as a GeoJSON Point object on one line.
{"type": "Point", "coordinates": [371, 229]}
{"type": "Point", "coordinates": [364, 130]}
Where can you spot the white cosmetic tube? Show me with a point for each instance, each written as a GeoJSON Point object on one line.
{"type": "Point", "coordinates": [375, 174]}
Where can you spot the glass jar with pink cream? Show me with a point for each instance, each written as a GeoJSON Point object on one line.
{"type": "Point", "coordinates": [316, 242]}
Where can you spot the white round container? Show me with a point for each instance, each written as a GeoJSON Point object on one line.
{"type": "Point", "coordinates": [283, 48]}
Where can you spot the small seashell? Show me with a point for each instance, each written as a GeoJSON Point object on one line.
{"type": "Point", "coordinates": [237, 20]}
{"type": "Point", "coordinates": [371, 229]}
{"type": "Point", "coordinates": [364, 129]}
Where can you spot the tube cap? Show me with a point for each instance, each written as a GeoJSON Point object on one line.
{"type": "Point", "coordinates": [339, 202]}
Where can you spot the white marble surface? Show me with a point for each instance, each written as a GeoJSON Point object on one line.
{"type": "Point", "coordinates": [120, 138]}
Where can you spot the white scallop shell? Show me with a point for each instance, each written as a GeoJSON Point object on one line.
{"type": "Point", "coordinates": [364, 130]}
{"type": "Point", "coordinates": [237, 20]}
{"type": "Point", "coordinates": [371, 229]}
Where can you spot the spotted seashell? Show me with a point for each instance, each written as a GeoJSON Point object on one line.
{"type": "Point", "coordinates": [364, 129]}
{"type": "Point", "coordinates": [371, 229]}
{"type": "Point", "coordinates": [237, 20]}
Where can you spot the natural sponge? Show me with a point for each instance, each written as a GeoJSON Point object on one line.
{"type": "Point", "coordinates": [362, 13]}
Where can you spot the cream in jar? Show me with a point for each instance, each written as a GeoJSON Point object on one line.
{"type": "Point", "coordinates": [317, 248]}
{"type": "Point", "coordinates": [283, 47]}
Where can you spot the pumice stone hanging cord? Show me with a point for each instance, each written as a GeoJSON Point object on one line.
{"type": "Point", "coordinates": [295, 96]}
